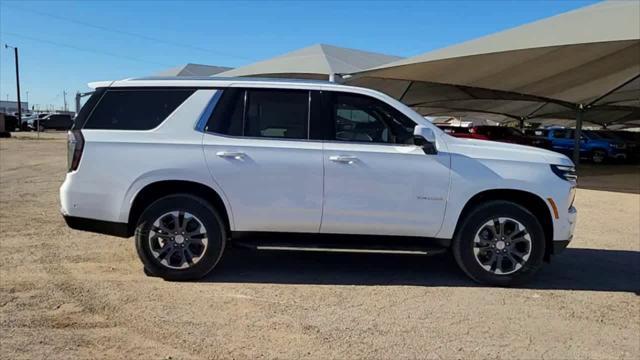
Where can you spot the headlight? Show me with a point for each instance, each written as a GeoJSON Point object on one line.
{"type": "Point", "coordinates": [565, 172]}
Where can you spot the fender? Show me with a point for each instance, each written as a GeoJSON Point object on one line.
{"type": "Point", "coordinates": [172, 175]}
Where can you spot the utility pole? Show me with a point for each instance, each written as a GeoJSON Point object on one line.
{"type": "Point", "coordinates": [79, 96]}
{"type": "Point", "coordinates": [64, 96]}
{"type": "Point", "coordinates": [15, 54]}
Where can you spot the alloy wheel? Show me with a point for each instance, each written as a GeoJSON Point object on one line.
{"type": "Point", "coordinates": [178, 240]}
{"type": "Point", "coordinates": [598, 157]}
{"type": "Point", "coordinates": [502, 246]}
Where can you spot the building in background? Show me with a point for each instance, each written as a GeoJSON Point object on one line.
{"type": "Point", "coordinates": [10, 107]}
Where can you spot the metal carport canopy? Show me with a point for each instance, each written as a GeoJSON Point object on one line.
{"type": "Point", "coordinates": [581, 59]}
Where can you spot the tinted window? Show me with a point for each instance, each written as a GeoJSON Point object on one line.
{"type": "Point", "coordinates": [262, 113]}
{"type": "Point", "coordinates": [227, 117]}
{"type": "Point", "coordinates": [274, 113]}
{"type": "Point", "coordinates": [560, 134]}
{"type": "Point", "coordinates": [135, 109]}
{"type": "Point", "coordinates": [360, 118]}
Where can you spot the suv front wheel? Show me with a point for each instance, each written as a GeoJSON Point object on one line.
{"type": "Point", "coordinates": [499, 243]}
{"type": "Point", "coordinates": [180, 237]}
{"type": "Point", "coordinates": [598, 156]}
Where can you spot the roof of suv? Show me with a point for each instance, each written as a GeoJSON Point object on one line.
{"type": "Point", "coordinates": [206, 81]}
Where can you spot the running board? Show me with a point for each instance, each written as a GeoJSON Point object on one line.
{"type": "Point", "coordinates": [341, 243]}
{"type": "Point", "coordinates": [346, 250]}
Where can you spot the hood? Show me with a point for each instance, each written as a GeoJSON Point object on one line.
{"type": "Point", "coordinates": [484, 149]}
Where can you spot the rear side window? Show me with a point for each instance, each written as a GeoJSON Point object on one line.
{"type": "Point", "coordinates": [228, 116]}
{"type": "Point", "coordinates": [135, 109]}
{"type": "Point", "coordinates": [269, 113]}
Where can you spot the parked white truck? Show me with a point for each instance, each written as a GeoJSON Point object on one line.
{"type": "Point", "coordinates": [190, 166]}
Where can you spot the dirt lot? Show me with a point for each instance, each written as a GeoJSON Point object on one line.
{"type": "Point", "coordinates": [67, 294]}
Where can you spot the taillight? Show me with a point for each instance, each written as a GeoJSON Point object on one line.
{"type": "Point", "coordinates": [75, 144]}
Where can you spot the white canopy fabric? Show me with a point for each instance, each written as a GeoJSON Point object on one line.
{"type": "Point", "coordinates": [193, 70]}
{"type": "Point", "coordinates": [590, 56]}
{"type": "Point", "coordinates": [319, 61]}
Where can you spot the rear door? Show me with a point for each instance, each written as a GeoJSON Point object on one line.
{"type": "Point", "coordinates": [257, 148]}
{"type": "Point", "coordinates": [376, 180]}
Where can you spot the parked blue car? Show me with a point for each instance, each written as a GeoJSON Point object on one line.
{"type": "Point", "coordinates": [592, 146]}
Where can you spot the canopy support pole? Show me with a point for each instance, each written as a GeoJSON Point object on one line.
{"type": "Point", "coordinates": [406, 90]}
{"type": "Point", "coordinates": [521, 123]}
{"type": "Point", "coordinates": [614, 90]}
{"type": "Point", "coordinates": [578, 134]}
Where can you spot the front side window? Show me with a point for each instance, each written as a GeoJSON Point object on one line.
{"type": "Point", "coordinates": [135, 109]}
{"type": "Point", "coordinates": [269, 113]}
{"type": "Point", "coordinates": [359, 118]}
{"type": "Point", "coordinates": [277, 114]}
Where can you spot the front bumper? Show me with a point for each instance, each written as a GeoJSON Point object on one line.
{"type": "Point", "coordinates": [560, 245]}
{"type": "Point", "coordinates": [569, 228]}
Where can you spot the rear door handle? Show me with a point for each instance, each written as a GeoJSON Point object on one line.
{"type": "Point", "coordinates": [230, 154]}
{"type": "Point", "coordinates": [345, 159]}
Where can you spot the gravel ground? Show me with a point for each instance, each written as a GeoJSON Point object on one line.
{"type": "Point", "coordinates": [68, 294]}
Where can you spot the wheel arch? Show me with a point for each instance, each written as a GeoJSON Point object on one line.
{"type": "Point", "coordinates": [155, 190]}
{"type": "Point", "coordinates": [530, 201]}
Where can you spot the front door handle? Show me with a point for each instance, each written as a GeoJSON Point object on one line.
{"type": "Point", "coordinates": [345, 159]}
{"type": "Point", "coordinates": [231, 154]}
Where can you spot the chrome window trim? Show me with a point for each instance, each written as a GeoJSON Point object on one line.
{"type": "Point", "coordinates": [201, 124]}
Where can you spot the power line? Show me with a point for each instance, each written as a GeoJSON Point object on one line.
{"type": "Point", "coordinates": [127, 33]}
{"type": "Point", "coordinates": [83, 49]}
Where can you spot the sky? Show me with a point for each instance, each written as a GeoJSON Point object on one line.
{"type": "Point", "coordinates": [63, 45]}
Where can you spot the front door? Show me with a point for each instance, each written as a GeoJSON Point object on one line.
{"type": "Point", "coordinates": [258, 150]}
{"type": "Point", "coordinates": [376, 181]}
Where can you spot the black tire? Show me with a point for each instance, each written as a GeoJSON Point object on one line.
{"type": "Point", "coordinates": [598, 156]}
{"type": "Point", "coordinates": [205, 213]}
{"type": "Point", "coordinates": [463, 243]}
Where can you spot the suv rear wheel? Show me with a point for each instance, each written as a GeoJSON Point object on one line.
{"type": "Point", "coordinates": [499, 243]}
{"type": "Point", "coordinates": [180, 237]}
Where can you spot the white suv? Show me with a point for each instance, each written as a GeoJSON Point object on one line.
{"type": "Point", "coordinates": [191, 165]}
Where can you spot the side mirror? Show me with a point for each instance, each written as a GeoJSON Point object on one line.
{"type": "Point", "coordinates": [425, 138]}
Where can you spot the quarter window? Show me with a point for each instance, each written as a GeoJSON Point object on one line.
{"type": "Point", "coordinates": [135, 109]}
